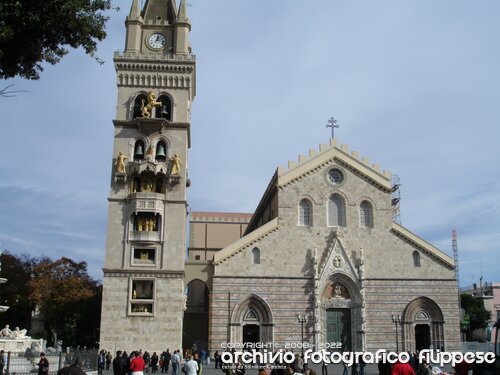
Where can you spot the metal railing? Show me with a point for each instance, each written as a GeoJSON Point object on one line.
{"type": "Point", "coordinates": [27, 364]}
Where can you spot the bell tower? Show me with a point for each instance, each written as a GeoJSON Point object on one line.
{"type": "Point", "coordinates": [143, 285]}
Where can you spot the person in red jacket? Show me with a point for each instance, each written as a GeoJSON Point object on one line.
{"type": "Point", "coordinates": [137, 364]}
{"type": "Point", "coordinates": [402, 369]}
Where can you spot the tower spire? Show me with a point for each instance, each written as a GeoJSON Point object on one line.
{"type": "Point", "coordinates": [183, 27]}
{"type": "Point", "coordinates": [182, 14]}
{"type": "Point", "coordinates": [135, 10]}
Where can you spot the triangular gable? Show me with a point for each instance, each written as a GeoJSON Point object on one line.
{"type": "Point", "coordinates": [245, 241]}
{"type": "Point", "coordinates": [336, 260]}
{"type": "Point", "coordinates": [423, 245]}
{"type": "Point", "coordinates": [316, 160]}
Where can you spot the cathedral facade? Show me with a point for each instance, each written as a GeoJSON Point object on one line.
{"type": "Point", "coordinates": [321, 260]}
{"type": "Point", "coordinates": [323, 244]}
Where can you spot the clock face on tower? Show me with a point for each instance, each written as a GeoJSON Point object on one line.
{"type": "Point", "coordinates": [156, 41]}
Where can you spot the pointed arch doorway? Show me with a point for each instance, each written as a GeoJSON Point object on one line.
{"type": "Point", "coordinates": [340, 313]}
{"type": "Point", "coordinates": [252, 321]}
{"type": "Point", "coordinates": [423, 325]}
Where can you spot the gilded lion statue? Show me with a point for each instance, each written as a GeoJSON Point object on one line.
{"type": "Point", "coordinates": [146, 108]}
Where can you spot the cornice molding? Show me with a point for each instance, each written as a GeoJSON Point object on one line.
{"type": "Point", "coordinates": [162, 274]}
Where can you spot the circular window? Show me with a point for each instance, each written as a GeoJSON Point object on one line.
{"type": "Point", "coordinates": [335, 176]}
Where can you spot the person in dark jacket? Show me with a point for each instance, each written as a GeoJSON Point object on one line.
{"type": "Point", "coordinates": [118, 364]}
{"type": "Point", "coordinates": [126, 363]}
{"type": "Point", "coordinates": [74, 369]}
{"type": "Point", "coordinates": [43, 365]}
{"type": "Point", "coordinates": [166, 361]}
{"type": "Point", "coordinates": [154, 363]}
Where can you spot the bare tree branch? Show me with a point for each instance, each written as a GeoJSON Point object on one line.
{"type": "Point", "coordinates": [6, 93]}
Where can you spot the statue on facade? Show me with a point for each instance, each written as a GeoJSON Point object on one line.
{"type": "Point", "coordinates": [337, 291]}
{"type": "Point", "coordinates": [149, 153]}
{"type": "Point", "coordinates": [176, 164]}
{"type": "Point", "coordinates": [146, 108]}
{"type": "Point", "coordinates": [120, 162]}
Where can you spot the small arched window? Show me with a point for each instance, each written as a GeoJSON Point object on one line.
{"type": "Point", "coordinates": [366, 215]}
{"type": "Point", "coordinates": [416, 259]}
{"type": "Point", "coordinates": [138, 103]}
{"type": "Point", "coordinates": [139, 150]}
{"type": "Point", "coordinates": [165, 111]}
{"type": "Point", "coordinates": [161, 151]}
{"type": "Point", "coordinates": [336, 211]}
{"type": "Point", "coordinates": [305, 213]}
{"type": "Point", "coordinates": [255, 256]}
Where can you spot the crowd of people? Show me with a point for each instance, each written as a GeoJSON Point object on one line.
{"type": "Point", "coordinates": [414, 366]}
{"type": "Point", "coordinates": [139, 362]}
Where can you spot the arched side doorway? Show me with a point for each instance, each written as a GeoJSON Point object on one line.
{"type": "Point", "coordinates": [252, 321]}
{"type": "Point", "coordinates": [340, 313]}
{"type": "Point", "coordinates": [195, 324]}
{"type": "Point", "coordinates": [423, 325]}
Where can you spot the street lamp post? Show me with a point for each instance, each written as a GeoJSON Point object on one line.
{"type": "Point", "coordinates": [396, 319]}
{"type": "Point", "coordinates": [302, 320]}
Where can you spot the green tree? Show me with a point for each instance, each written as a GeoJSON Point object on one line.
{"type": "Point", "coordinates": [478, 315]}
{"type": "Point", "coordinates": [63, 290]}
{"type": "Point", "coordinates": [37, 31]}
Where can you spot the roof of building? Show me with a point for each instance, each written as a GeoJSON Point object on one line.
{"type": "Point", "coordinates": [205, 216]}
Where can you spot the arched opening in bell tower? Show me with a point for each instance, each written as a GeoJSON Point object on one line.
{"type": "Point", "coordinates": [165, 110]}
{"type": "Point", "coordinates": [139, 101]}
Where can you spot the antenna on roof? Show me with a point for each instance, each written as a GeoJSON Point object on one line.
{"type": "Point", "coordinates": [455, 258]}
{"type": "Point", "coordinates": [396, 199]}
{"type": "Point", "coordinates": [332, 123]}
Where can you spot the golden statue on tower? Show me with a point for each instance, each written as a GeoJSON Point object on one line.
{"type": "Point", "coordinates": [146, 108]}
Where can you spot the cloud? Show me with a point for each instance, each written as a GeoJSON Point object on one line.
{"type": "Point", "coordinates": [38, 223]}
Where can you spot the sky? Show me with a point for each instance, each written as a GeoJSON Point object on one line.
{"type": "Point", "coordinates": [414, 86]}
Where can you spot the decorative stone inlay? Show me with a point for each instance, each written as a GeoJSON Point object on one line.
{"type": "Point", "coordinates": [146, 236]}
{"type": "Point", "coordinates": [120, 178]}
{"type": "Point", "coordinates": [174, 179]}
{"type": "Point", "coordinates": [422, 316]}
{"type": "Point", "coordinates": [336, 302]}
{"type": "Point", "coordinates": [147, 205]}
{"type": "Point", "coordinates": [159, 274]}
{"type": "Point", "coordinates": [250, 315]}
